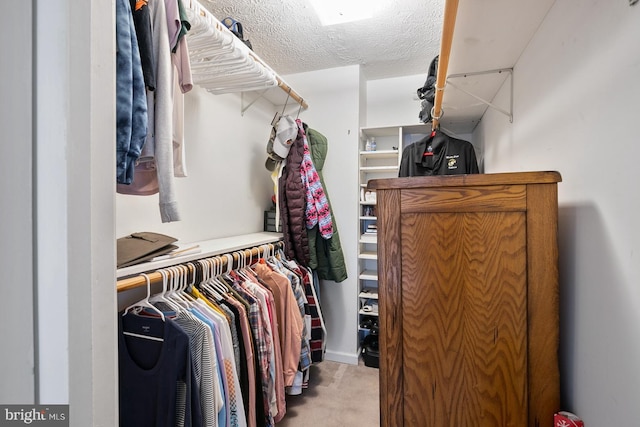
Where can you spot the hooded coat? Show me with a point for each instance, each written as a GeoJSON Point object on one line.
{"type": "Point", "coordinates": [292, 204]}
{"type": "Point", "coordinates": [326, 255]}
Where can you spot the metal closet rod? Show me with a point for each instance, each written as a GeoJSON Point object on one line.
{"type": "Point", "coordinates": [449, 24]}
{"type": "Point", "coordinates": [156, 277]}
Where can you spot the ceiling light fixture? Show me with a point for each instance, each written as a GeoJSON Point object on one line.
{"type": "Point", "coordinates": [333, 12]}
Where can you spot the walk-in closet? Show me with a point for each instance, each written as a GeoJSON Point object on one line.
{"type": "Point", "coordinates": [540, 246]}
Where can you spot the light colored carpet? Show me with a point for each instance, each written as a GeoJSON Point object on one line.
{"type": "Point", "coordinates": [339, 395]}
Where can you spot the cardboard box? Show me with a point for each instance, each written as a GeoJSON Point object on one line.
{"type": "Point", "coordinates": [567, 419]}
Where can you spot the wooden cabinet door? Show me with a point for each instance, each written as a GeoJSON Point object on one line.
{"type": "Point", "coordinates": [468, 287]}
{"type": "Point", "coordinates": [464, 318]}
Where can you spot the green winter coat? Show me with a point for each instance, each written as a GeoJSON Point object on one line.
{"type": "Point", "coordinates": [326, 255]}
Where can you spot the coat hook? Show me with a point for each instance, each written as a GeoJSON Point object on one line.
{"type": "Point", "coordinates": [286, 101]}
{"type": "Point", "coordinates": [300, 108]}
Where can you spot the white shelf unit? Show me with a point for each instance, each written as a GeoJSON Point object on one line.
{"type": "Point", "coordinates": [384, 162]}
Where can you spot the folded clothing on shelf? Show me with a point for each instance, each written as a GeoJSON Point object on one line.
{"type": "Point", "coordinates": [140, 247]}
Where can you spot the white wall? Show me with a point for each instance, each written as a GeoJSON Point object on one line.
{"type": "Point", "coordinates": [90, 154]}
{"type": "Point", "coordinates": [393, 102]}
{"type": "Point", "coordinates": [577, 99]}
{"type": "Point", "coordinates": [334, 111]}
{"type": "Point", "coordinates": [59, 153]}
{"type": "Point", "coordinates": [227, 188]}
{"type": "Point", "coordinates": [52, 111]}
{"type": "Point", "coordinates": [16, 209]}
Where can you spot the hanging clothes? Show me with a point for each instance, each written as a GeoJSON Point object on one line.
{"type": "Point", "coordinates": [204, 360]}
{"type": "Point", "coordinates": [144, 35]}
{"type": "Point", "coordinates": [263, 343]}
{"type": "Point", "coordinates": [151, 373]}
{"type": "Point", "coordinates": [317, 207]}
{"type": "Point", "coordinates": [246, 336]}
{"type": "Point", "coordinates": [249, 382]}
{"type": "Point", "coordinates": [185, 24]}
{"type": "Point", "coordinates": [292, 202]}
{"type": "Point", "coordinates": [438, 154]}
{"type": "Point", "coordinates": [234, 408]}
{"type": "Point", "coordinates": [182, 83]}
{"type": "Point", "coordinates": [157, 156]}
{"type": "Point", "coordinates": [131, 107]}
{"type": "Point", "coordinates": [326, 256]}
{"type": "Point", "coordinates": [290, 321]}
{"type": "Point", "coordinates": [174, 23]}
{"type": "Point", "coordinates": [315, 324]}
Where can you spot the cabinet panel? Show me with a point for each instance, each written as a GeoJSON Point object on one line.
{"type": "Point", "coordinates": [468, 291]}
{"type": "Point", "coordinates": [465, 353]}
{"type": "Point", "coordinates": [390, 293]}
{"type": "Point", "coordinates": [467, 199]}
{"type": "Point", "coordinates": [543, 302]}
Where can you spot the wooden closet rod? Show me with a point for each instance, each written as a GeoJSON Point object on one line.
{"type": "Point", "coordinates": [285, 87]}
{"type": "Point", "coordinates": [282, 85]}
{"type": "Point", "coordinates": [156, 277]}
{"type": "Point", "coordinates": [449, 24]}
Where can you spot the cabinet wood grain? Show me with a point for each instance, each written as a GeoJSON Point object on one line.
{"type": "Point", "coordinates": [468, 295]}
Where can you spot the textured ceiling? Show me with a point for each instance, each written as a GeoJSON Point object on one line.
{"type": "Point", "coordinates": [401, 40]}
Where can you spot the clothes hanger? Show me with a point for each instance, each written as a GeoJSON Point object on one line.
{"type": "Point", "coordinates": [242, 270]}
{"type": "Point", "coordinates": [248, 270]}
{"type": "Point", "coordinates": [217, 279]}
{"type": "Point", "coordinates": [234, 271]}
{"type": "Point", "coordinates": [435, 129]}
{"type": "Point", "coordinates": [228, 274]}
{"type": "Point", "coordinates": [228, 267]}
{"type": "Point", "coordinates": [229, 258]}
{"type": "Point", "coordinates": [280, 254]}
{"type": "Point", "coordinates": [208, 285]}
{"type": "Point", "coordinates": [285, 102]}
{"type": "Point", "coordinates": [219, 61]}
{"type": "Point", "coordinates": [272, 252]}
{"type": "Point", "coordinates": [263, 252]}
{"type": "Point", "coordinates": [263, 256]}
{"type": "Point", "coordinates": [174, 293]}
{"type": "Point", "coordinates": [162, 296]}
{"type": "Point", "coordinates": [182, 291]}
{"type": "Point", "coordinates": [175, 284]}
{"type": "Point", "coordinates": [435, 119]}
{"type": "Point", "coordinates": [144, 303]}
{"type": "Point", "coordinates": [300, 108]}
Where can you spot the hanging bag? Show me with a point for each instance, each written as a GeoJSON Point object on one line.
{"type": "Point", "coordinates": [236, 28]}
{"type": "Point", "coordinates": [427, 92]}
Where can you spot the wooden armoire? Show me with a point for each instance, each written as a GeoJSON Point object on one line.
{"type": "Point", "coordinates": [468, 300]}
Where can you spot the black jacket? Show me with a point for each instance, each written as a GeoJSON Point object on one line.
{"type": "Point", "coordinates": [438, 155]}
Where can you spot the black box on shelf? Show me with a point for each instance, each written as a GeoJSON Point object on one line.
{"type": "Point", "coordinates": [270, 221]}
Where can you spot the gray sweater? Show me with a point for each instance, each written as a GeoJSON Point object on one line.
{"type": "Point", "coordinates": [162, 125]}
